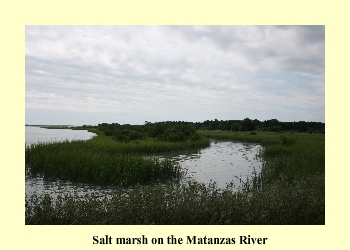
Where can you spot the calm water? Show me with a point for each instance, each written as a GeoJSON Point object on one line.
{"type": "Point", "coordinates": [37, 134]}
{"type": "Point", "coordinates": [222, 162]}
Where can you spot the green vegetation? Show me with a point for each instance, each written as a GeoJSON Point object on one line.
{"type": "Point", "coordinates": [161, 131]}
{"type": "Point", "coordinates": [272, 125]}
{"type": "Point", "coordinates": [289, 190]}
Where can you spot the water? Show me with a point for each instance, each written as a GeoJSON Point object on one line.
{"type": "Point", "coordinates": [37, 134]}
{"type": "Point", "coordinates": [222, 162]}
{"type": "Point", "coordinates": [36, 184]}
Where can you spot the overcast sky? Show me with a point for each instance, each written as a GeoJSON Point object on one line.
{"type": "Point", "coordinates": [131, 74]}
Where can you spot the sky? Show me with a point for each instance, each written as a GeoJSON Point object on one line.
{"type": "Point", "coordinates": [86, 75]}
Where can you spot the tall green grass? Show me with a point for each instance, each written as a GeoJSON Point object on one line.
{"type": "Point", "coordinates": [79, 162]}
{"type": "Point", "coordinates": [299, 160]}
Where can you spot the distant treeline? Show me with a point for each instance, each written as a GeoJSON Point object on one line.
{"type": "Point", "coordinates": [181, 130]}
{"type": "Point", "coordinates": [268, 125]}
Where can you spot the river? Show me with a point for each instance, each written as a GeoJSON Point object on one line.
{"type": "Point", "coordinates": [36, 134]}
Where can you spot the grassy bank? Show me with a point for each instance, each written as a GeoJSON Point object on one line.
{"type": "Point", "coordinates": [290, 189]}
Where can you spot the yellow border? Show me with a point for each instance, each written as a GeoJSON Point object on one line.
{"type": "Point", "coordinates": [16, 14]}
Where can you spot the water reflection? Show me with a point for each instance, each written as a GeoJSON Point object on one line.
{"type": "Point", "coordinates": [37, 134]}
{"type": "Point", "coordinates": [37, 184]}
{"type": "Point", "coordinates": [222, 162]}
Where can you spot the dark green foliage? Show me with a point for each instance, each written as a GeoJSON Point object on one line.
{"type": "Point", "coordinates": [163, 131]}
{"type": "Point", "coordinates": [247, 125]}
{"type": "Point", "coordinates": [272, 125]}
{"type": "Point", "coordinates": [179, 133]}
{"type": "Point", "coordinates": [156, 129]}
{"type": "Point", "coordinates": [127, 134]}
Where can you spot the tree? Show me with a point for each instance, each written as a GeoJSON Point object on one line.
{"type": "Point", "coordinates": [247, 125]}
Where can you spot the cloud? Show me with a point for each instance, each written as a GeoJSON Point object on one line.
{"type": "Point", "coordinates": [175, 72]}
{"type": "Point", "coordinates": [290, 48]}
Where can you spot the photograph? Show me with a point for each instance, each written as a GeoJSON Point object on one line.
{"type": "Point", "coordinates": [175, 125]}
